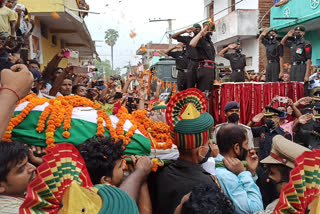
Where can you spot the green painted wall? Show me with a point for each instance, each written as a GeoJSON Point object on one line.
{"type": "Point", "coordinates": [304, 10]}
{"type": "Point", "coordinates": [313, 37]}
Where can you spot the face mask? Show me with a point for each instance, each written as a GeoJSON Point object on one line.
{"type": "Point", "coordinates": [284, 116]}
{"type": "Point", "coordinates": [238, 50]}
{"type": "Point", "coordinates": [316, 127]}
{"type": "Point", "coordinates": [205, 158]}
{"type": "Point", "coordinates": [233, 118]}
{"type": "Point", "coordinates": [297, 36]}
{"type": "Point", "coordinates": [270, 124]}
{"type": "Point", "coordinates": [208, 35]}
{"type": "Point", "coordinates": [271, 181]}
{"type": "Point", "coordinates": [244, 154]}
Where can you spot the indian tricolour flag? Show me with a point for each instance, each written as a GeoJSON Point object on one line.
{"type": "Point", "coordinates": [83, 127]}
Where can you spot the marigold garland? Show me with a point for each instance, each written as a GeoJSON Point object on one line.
{"type": "Point", "coordinates": [59, 111]}
{"type": "Point", "coordinates": [33, 102]}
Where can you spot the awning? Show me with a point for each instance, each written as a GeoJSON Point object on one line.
{"type": "Point", "coordinates": [72, 30]}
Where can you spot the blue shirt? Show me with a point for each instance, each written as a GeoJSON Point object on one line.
{"type": "Point", "coordinates": [241, 189]}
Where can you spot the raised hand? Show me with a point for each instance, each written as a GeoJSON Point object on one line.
{"type": "Point", "coordinates": [232, 46]}
{"type": "Point", "coordinates": [234, 165]}
{"type": "Point", "coordinates": [290, 102]}
{"type": "Point", "coordinates": [257, 118]}
{"type": "Point", "coordinates": [304, 101]}
{"type": "Point", "coordinates": [190, 30]}
{"type": "Point", "coordinates": [303, 119]}
{"type": "Point", "coordinates": [63, 51]}
{"type": "Point", "coordinates": [19, 79]}
{"type": "Point", "coordinates": [291, 32]}
{"type": "Point", "coordinates": [253, 161]}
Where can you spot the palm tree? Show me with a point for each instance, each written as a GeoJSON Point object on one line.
{"type": "Point", "coordinates": [111, 38]}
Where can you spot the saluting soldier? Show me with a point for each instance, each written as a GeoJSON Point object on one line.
{"type": "Point", "coordinates": [237, 62]}
{"type": "Point", "coordinates": [311, 137]}
{"type": "Point", "coordinates": [301, 52]}
{"type": "Point", "coordinates": [206, 56]}
{"type": "Point", "coordinates": [274, 51]}
{"type": "Point", "coordinates": [191, 53]}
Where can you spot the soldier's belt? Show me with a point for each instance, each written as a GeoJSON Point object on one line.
{"type": "Point", "coordinates": [237, 70]}
{"type": "Point", "coordinates": [298, 62]}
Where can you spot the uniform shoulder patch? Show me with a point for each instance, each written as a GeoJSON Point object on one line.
{"type": "Point", "coordinates": [308, 47]}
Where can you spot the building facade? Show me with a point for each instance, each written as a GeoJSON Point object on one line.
{"type": "Point", "coordinates": [58, 25]}
{"type": "Point", "coordinates": [239, 20]}
{"type": "Point", "coordinates": [297, 12]}
{"type": "Point", "coordinates": [150, 53]}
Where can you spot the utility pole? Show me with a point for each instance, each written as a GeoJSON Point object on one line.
{"type": "Point", "coordinates": [169, 24]}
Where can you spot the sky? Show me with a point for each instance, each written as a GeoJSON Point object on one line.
{"type": "Point", "coordinates": [133, 15]}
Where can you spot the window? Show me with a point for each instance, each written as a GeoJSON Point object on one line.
{"type": "Point", "coordinates": [210, 10]}
{"type": "Point", "coordinates": [54, 40]}
{"type": "Point", "coordinates": [62, 44]}
{"type": "Point", "coordinates": [232, 6]}
{"type": "Point", "coordinates": [249, 61]}
{"type": "Point", "coordinates": [44, 30]}
{"type": "Point", "coordinates": [174, 72]}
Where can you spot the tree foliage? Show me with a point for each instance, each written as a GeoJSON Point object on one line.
{"type": "Point", "coordinates": [111, 37]}
{"type": "Point", "coordinates": [104, 66]}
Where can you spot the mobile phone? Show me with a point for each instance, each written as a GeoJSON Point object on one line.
{"type": "Point", "coordinates": [117, 77]}
{"type": "Point", "coordinates": [118, 95]}
{"type": "Point", "coordinates": [99, 83]}
{"type": "Point", "coordinates": [283, 99]}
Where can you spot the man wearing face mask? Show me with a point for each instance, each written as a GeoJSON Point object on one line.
{"type": "Point", "coordinates": [191, 53]}
{"type": "Point", "coordinates": [266, 133]}
{"type": "Point", "coordinates": [206, 56]}
{"type": "Point", "coordinates": [269, 130]}
{"type": "Point", "coordinates": [232, 112]}
{"type": "Point", "coordinates": [311, 137]}
{"type": "Point", "coordinates": [301, 52]}
{"type": "Point", "coordinates": [279, 164]}
{"type": "Point", "coordinates": [274, 52]}
{"type": "Point", "coordinates": [237, 62]}
{"type": "Point", "coordinates": [237, 182]}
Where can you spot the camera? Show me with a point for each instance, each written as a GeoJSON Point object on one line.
{"type": "Point", "coordinates": [99, 83]}
{"type": "Point", "coordinates": [117, 77]}
{"type": "Point", "coordinates": [118, 95]}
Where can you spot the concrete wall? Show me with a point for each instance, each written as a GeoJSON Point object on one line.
{"type": "Point", "coordinates": [237, 23]}
{"type": "Point", "coordinates": [314, 38]}
{"type": "Point", "coordinates": [248, 4]}
{"type": "Point", "coordinates": [250, 47]}
{"type": "Point", "coordinates": [218, 6]}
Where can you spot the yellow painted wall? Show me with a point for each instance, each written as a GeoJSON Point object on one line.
{"type": "Point", "coordinates": [49, 51]}
{"type": "Point", "coordinates": [48, 6]}
{"type": "Point", "coordinates": [72, 4]}
{"type": "Point", "coordinates": [43, 6]}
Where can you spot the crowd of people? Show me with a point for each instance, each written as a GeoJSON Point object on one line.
{"type": "Point", "coordinates": [255, 158]}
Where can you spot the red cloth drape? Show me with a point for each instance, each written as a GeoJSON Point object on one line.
{"type": "Point", "coordinates": [253, 97]}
